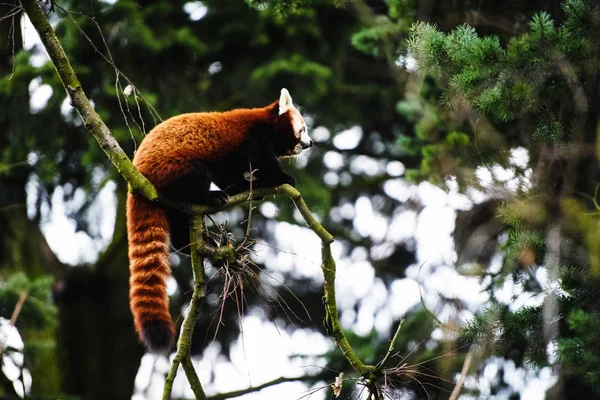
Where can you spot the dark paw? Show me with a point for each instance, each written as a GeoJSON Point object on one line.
{"type": "Point", "coordinates": [217, 198]}
{"type": "Point", "coordinates": [290, 180]}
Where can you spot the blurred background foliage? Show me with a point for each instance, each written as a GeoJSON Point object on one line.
{"type": "Point", "coordinates": [457, 94]}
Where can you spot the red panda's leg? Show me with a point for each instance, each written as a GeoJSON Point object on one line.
{"type": "Point", "coordinates": [194, 187]}
{"type": "Point", "coordinates": [268, 171]}
{"type": "Point", "coordinates": [238, 184]}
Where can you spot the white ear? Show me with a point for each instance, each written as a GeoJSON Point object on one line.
{"type": "Point", "coordinates": [285, 101]}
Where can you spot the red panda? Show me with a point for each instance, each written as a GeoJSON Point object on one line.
{"type": "Point", "coordinates": [182, 156]}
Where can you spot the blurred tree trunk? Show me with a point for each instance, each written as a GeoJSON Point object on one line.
{"type": "Point", "coordinates": [99, 350]}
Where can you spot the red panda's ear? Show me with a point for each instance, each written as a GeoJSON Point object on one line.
{"type": "Point", "coordinates": [285, 101]}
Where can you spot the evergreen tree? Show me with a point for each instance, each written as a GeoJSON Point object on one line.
{"type": "Point", "coordinates": [535, 90]}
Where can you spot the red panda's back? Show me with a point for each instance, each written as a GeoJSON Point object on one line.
{"type": "Point", "coordinates": [167, 150]}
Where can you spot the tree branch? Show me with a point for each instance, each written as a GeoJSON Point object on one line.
{"type": "Point", "coordinates": [91, 120]}
{"type": "Point", "coordinates": [333, 326]}
{"type": "Point", "coordinates": [392, 344]}
{"type": "Point", "coordinates": [14, 316]}
{"type": "Point", "coordinates": [463, 374]}
{"type": "Point", "coordinates": [277, 381]}
{"type": "Point", "coordinates": [185, 337]}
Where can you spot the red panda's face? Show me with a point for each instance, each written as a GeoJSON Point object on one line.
{"type": "Point", "coordinates": [292, 127]}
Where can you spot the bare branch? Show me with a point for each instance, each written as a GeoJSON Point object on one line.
{"type": "Point", "coordinates": [463, 374]}
{"type": "Point", "coordinates": [241, 392]}
{"type": "Point", "coordinates": [79, 100]}
{"type": "Point", "coordinates": [392, 343]}
{"type": "Point", "coordinates": [15, 315]}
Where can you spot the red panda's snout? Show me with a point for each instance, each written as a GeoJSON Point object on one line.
{"type": "Point", "coordinates": [307, 145]}
{"type": "Point", "coordinates": [305, 140]}
{"type": "Point", "coordinates": [300, 133]}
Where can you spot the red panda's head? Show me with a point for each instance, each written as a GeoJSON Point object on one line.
{"type": "Point", "coordinates": [292, 133]}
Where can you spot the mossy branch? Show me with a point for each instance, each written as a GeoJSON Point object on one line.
{"type": "Point", "coordinates": [332, 322]}
{"type": "Point", "coordinates": [78, 99]}
{"type": "Point", "coordinates": [184, 343]}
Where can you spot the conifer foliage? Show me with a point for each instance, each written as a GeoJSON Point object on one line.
{"type": "Point", "coordinates": [538, 90]}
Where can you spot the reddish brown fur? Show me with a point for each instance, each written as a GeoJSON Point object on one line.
{"type": "Point", "coordinates": [167, 154]}
{"type": "Point", "coordinates": [209, 136]}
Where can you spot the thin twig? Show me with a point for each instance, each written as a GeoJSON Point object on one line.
{"type": "Point", "coordinates": [14, 316]}
{"type": "Point", "coordinates": [19, 306]}
{"type": "Point", "coordinates": [79, 100]}
{"type": "Point", "coordinates": [200, 248]}
{"type": "Point", "coordinates": [168, 387]}
{"type": "Point", "coordinates": [463, 374]}
{"type": "Point", "coordinates": [249, 219]}
{"type": "Point", "coordinates": [431, 313]}
{"type": "Point", "coordinates": [109, 59]}
{"type": "Point", "coordinates": [277, 381]}
{"type": "Point", "coordinates": [392, 343]}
